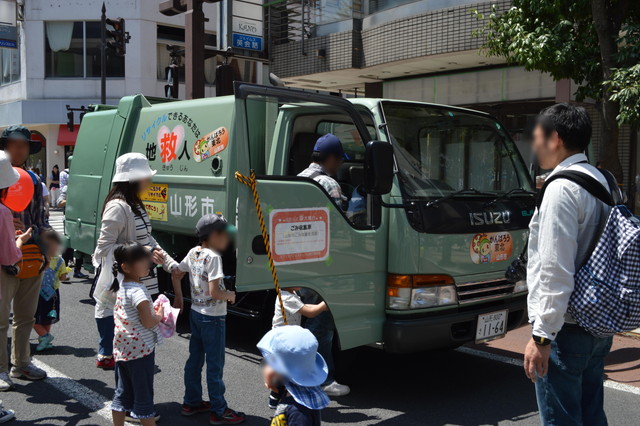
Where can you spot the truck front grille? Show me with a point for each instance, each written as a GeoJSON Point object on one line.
{"type": "Point", "coordinates": [483, 290]}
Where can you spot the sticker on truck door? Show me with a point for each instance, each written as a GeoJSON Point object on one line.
{"type": "Point", "coordinates": [156, 192]}
{"type": "Point", "coordinates": [156, 211]}
{"type": "Point", "coordinates": [211, 144]}
{"type": "Point", "coordinates": [491, 247]}
{"type": "Point", "coordinates": [299, 235]}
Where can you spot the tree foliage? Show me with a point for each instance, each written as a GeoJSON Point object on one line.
{"type": "Point", "coordinates": [625, 89]}
{"type": "Point", "coordinates": [625, 82]}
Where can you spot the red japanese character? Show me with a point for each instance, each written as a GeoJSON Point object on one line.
{"type": "Point", "coordinates": [168, 147]}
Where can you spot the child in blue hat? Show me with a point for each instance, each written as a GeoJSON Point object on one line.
{"type": "Point", "coordinates": [291, 357]}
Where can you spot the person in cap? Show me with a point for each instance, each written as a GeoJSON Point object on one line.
{"type": "Point", "coordinates": [124, 220]}
{"type": "Point", "coordinates": [21, 293]}
{"type": "Point", "coordinates": [326, 159]}
{"type": "Point", "coordinates": [209, 299]}
{"type": "Point", "coordinates": [291, 357]}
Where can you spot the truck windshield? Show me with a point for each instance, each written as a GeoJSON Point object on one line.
{"type": "Point", "coordinates": [442, 151]}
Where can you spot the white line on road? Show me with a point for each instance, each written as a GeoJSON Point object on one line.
{"type": "Point", "coordinates": [519, 363]}
{"type": "Point", "coordinates": [85, 396]}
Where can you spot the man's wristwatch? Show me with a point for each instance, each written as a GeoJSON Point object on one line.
{"type": "Point", "coordinates": [542, 341]}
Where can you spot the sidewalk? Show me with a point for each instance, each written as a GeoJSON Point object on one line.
{"type": "Point", "coordinates": [623, 363]}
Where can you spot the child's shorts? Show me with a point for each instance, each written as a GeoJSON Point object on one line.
{"type": "Point", "coordinates": [48, 311]}
{"type": "Point", "coordinates": [134, 386]}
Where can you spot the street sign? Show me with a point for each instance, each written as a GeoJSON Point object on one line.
{"type": "Point", "coordinates": [242, 41]}
{"type": "Point", "coordinates": [8, 36]}
{"type": "Point", "coordinates": [247, 26]}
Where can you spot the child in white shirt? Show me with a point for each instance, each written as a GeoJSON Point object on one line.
{"type": "Point", "coordinates": [295, 309]}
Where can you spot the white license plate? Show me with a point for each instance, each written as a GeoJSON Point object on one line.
{"type": "Point", "coordinates": [491, 326]}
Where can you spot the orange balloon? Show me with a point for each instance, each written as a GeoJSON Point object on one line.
{"type": "Point", "coordinates": [20, 194]}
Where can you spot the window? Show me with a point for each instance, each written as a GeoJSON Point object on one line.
{"type": "Point", "coordinates": [10, 65]}
{"type": "Point", "coordinates": [73, 50]}
{"type": "Point", "coordinates": [440, 151]}
{"type": "Point", "coordinates": [348, 135]}
{"type": "Point", "coordinates": [379, 5]}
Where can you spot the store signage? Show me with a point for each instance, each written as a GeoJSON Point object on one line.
{"type": "Point", "coordinates": [245, 9]}
{"type": "Point", "coordinates": [247, 26]}
{"type": "Point", "coordinates": [242, 41]}
{"type": "Point", "coordinates": [8, 36]}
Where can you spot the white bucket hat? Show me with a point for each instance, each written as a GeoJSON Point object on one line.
{"type": "Point", "coordinates": [8, 175]}
{"type": "Point", "coordinates": [132, 167]}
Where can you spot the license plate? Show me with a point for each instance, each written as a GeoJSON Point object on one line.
{"type": "Point", "coordinates": [491, 326]}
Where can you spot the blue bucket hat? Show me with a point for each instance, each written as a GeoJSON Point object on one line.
{"type": "Point", "coordinates": [292, 352]}
{"type": "Point", "coordinates": [330, 144]}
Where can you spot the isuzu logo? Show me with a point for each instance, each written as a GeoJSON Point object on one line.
{"type": "Point", "coordinates": [490, 218]}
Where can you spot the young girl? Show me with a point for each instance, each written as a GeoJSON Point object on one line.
{"type": "Point", "coordinates": [136, 335]}
{"type": "Point", "coordinates": [48, 312]}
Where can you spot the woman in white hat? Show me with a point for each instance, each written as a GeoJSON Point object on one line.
{"type": "Point", "coordinates": [124, 220]}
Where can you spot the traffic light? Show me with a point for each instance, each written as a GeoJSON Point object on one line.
{"type": "Point", "coordinates": [83, 111]}
{"type": "Point", "coordinates": [70, 126]}
{"type": "Point", "coordinates": [118, 36]}
{"type": "Point", "coordinates": [224, 80]}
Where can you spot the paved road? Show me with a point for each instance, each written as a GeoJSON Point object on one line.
{"type": "Point", "coordinates": [451, 388]}
{"type": "Point", "coordinates": [444, 388]}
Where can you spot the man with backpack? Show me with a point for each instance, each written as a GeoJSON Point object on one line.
{"type": "Point", "coordinates": [21, 282]}
{"type": "Point", "coordinates": [565, 361]}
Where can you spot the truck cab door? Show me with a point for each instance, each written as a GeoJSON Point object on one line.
{"type": "Point", "coordinates": [313, 242]}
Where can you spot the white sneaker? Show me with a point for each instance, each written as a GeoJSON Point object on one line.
{"type": "Point", "coordinates": [6, 384]}
{"type": "Point", "coordinates": [29, 372]}
{"type": "Point", "coordinates": [336, 389]}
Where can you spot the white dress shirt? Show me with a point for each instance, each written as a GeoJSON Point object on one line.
{"type": "Point", "coordinates": [563, 233]}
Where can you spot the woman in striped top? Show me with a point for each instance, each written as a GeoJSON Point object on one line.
{"type": "Point", "coordinates": [124, 220]}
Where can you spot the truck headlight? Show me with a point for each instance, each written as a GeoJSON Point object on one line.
{"type": "Point", "coordinates": [420, 291]}
{"type": "Point", "coordinates": [433, 296]}
{"type": "Point", "coordinates": [520, 287]}
{"type": "Point", "coordinates": [399, 298]}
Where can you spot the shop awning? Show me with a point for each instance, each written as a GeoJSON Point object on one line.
{"type": "Point", "coordinates": [65, 137]}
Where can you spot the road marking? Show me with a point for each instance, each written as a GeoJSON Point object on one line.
{"type": "Point", "coordinates": [520, 363]}
{"type": "Point", "coordinates": [85, 396]}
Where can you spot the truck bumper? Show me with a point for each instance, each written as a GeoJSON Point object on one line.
{"type": "Point", "coordinates": [446, 330]}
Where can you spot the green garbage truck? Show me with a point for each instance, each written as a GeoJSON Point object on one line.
{"type": "Point", "coordinates": [439, 204]}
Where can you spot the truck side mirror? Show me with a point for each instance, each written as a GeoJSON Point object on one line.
{"type": "Point", "coordinates": [378, 168]}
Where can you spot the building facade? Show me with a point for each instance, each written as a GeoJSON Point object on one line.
{"type": "Point", "coordinates": [56, 63]}
{"type": "Point", "coordinates": [421, 50]}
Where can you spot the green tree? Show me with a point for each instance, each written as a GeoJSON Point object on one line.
{"type": "Point", "coordinates": [592, 42]}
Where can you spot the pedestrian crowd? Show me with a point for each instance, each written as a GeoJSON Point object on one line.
{"type": "Point", "coordinates": [125, 286]}
{"type": "Point", "coordinates": [565, 361]}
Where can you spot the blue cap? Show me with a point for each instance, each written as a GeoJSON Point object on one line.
{"type": "Point", "coordinates": [292, 351]}
{"type": "Point", "coordinates": [330, 144]}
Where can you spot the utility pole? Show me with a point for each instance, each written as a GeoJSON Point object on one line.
{"type": "Point", "coordinates": [103, 56]}
{"type": "Point", "coordinates": [194, 49]}
{"type": "Point", "coordinates": [193, 41]}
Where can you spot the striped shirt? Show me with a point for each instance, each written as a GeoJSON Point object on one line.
{"type": "Point", "coordinates": [132, 340]}
{"type": "Point", "coordinates": [316, 172]}
{"type": "Point", "coordinates": [143, 232]}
